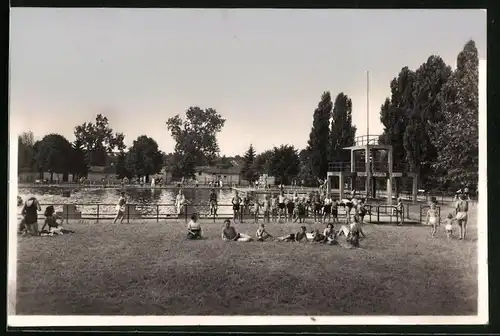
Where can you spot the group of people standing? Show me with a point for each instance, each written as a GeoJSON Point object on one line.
{"type": "Point", "coordinates": [275, 208]}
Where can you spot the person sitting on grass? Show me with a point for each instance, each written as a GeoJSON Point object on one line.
{"type": "Point", "coordinates": [194, 228]}
{"type": "Point", "coordinates": [317, 237]}
{"type": "Point", "coordinates": [449, 225]}
{"type": "Point", "coordinates": [295, 237]}
{"type": "Point", "coordinates": [54, 228]}
{"type": "Point", "coordinates": [229, 233]}
{"type": "Point", "coordinates": [262, 233]}
{"type": "Point", "coordinates": [330, 235]}
{"type": "Point", "coordinates": [352, 233]}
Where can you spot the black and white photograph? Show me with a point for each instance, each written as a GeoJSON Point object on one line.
{"type": "Point", "coordinates": [247, 167]}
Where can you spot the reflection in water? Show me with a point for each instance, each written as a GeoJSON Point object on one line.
{"type": "Point", "coordinates": [147, 200]}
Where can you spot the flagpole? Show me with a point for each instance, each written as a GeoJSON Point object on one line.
{"type": "Point", "coordinates": [368, 104]}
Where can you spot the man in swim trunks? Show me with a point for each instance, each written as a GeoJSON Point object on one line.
{"type": "Point", "coordinates": [317, 204]}
{"type": "Point", "coordinates": [281, 205]}
{"type": "Point", "coordinates": [296, 237]}
{"type": "Point", "coordinates": [236, 201]}
{"type": "Point", "coordinates": [462, 210]}
{"type": "Point", "coordinates": [213, 202]}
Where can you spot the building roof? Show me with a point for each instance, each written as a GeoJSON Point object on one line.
{"type": "Point", "coordinates": [218, 171]}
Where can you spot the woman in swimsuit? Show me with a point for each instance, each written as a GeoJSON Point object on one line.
{"type": "Point", "coordinates": [432, 218]}
{"type": "Point", "coordinates": [236, 201]}
{"type": "Point", "coordinates": [274, 208]}
{"type": "Point", "coordinates": [352, 233]}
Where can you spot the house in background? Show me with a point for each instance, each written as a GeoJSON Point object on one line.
{"type": "Point", "coordinates": [98, 174]}
{"type": "Point", "coordinates": [207, 174]}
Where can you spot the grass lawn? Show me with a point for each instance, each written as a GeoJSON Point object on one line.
{"type": "Point", "coordinates": [151, 269]}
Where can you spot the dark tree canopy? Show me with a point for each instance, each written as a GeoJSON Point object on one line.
{"type": "Point", "coordinates": [284, 164]}
{"type": "Point", "coordinates": [342, 131]}
{"type": "Point", "coordinates": [319, 138]}
{"type": "Point", "coordinates": [98, 140]}
{"type": "Point", "coordinates": [26, 151]}
{"type": "Point", "coordinates": [78, 165]}
{"type": "Point", "coordinates": [457, 137]}
{"type": "Point", "coordinates": [196, 135]}
{"type": "Point", "coordinates": [247, 170]}
{"type": "Point", "coordinates": [144, 158]}
{"type": "Point", "coordinates": [394, 116]}
{"type": "Point", "coordinates": [53, 154]}
{"type": "Point", "coordinates": [421, 153]}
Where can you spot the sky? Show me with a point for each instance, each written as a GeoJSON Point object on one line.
{"type": "Point", "coordinates": [263, 70]}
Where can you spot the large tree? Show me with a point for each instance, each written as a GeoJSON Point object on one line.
{"type": "Point", "coordinates": [98, 140]}
{"type": "Point", "coordinates": [319, 138]}
{"type": "Point", "coordinates": [262, 162]}
{"type": "Point", "coordinates": [196, 136]}
{"type": "Point", "coordinates": [78, 165]}
{"type": "Point", "coordinates": [421, 154]}
{"type": "Point", "coordinates": [284, 164]}
{"type": "Point", "coordinates": [53, 155]}
{"type": "Point", "coordinates": [247, 170]}
{"type": "Point", "coordinates": [342, 131]}
{"type": "Point", "coordinates": [305, 175]}
{"type": "Point", "coordinates": [144, 158]}
{"type": "Point", "coordinates": [394, 116]}
{"type": "Point", "coordinates": [26, 151]}
{"type": "Point", "coordinates": [457, 139]}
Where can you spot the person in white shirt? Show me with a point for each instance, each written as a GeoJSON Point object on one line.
{"type": "Point", "coordinates": [180, 200]}
{"type": "Point", "coordinates": [120, 208]}
{"type": "Point", "coordinates": [194, 228]}
{"type": "Point", "coordinates": [327, 208]}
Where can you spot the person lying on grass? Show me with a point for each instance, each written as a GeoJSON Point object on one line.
{"type": "Point", "coordinates": [229, 233]}
{"type": "Point", "coordinates": [317, 237]}
{"type": "Point", "coordinates": [295, 237]}
{"type": "Point", "coordinates": [262, 233]}
{"type": "Point", "coordinates": [194, 228]}
{"type": "Point", "coordinates": [352, 233]}
{"type": "Point", "coordinates": [54, 228]}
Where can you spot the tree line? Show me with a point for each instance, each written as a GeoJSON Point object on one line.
{"type": "Point", "coordinates": [430, 119]}
{"type": "Point", "coordinates": [93, 146]}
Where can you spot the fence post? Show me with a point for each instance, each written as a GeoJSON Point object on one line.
{"type": "Point", "coordinates": [67, 215]}
{"type": "Point", "coordinates": [439, 215]}
{"type": "Point", "coordinates": [420, 214]}
{"type": "Point", "coordinates": [97, 213]}
{"type": "Point", "coordinates": [128, 213]}
{"type": "Point", "coordinates": [378, 213]}
{"type": "Point", "coordinates": [157, 213]}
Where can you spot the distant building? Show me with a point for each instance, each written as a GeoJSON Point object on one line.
{"type": "Point", "coordinates": [207, 174]}
{"type": "Point", "coordinates": [98, 174]}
